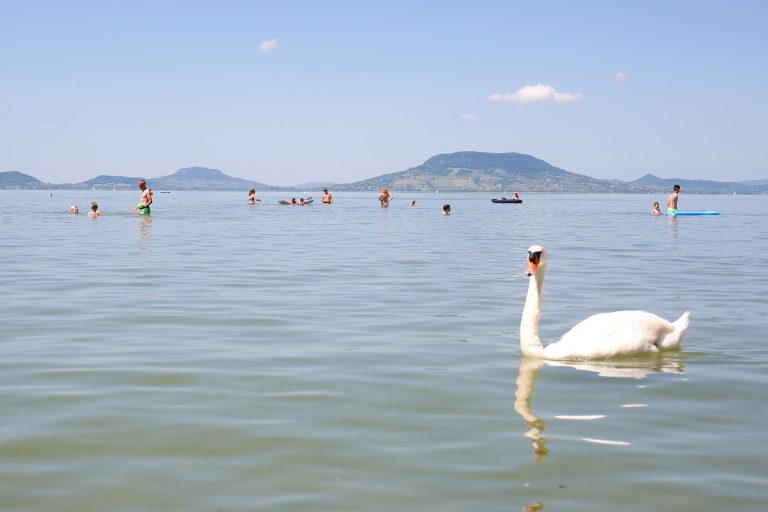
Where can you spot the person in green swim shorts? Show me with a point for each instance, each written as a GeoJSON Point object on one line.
{"type": "Point", "coordinates": [146, 199]}
{"type": "Point", "coordinates": [672, 199]}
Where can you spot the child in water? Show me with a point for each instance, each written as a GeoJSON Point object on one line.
{"type": "Point", "coordinates": [656, 208]}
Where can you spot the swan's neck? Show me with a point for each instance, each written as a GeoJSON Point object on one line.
{"type": "Point", "coordinates": [530, 343]}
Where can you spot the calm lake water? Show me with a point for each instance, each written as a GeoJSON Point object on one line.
{"type": "Point", "coordinates": [218, 356]}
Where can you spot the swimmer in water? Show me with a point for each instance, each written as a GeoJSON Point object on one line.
{"type": "Point", "coordinates": [74, 210]}
{"type": "Point", "coordinates": [94, 210]}
{"type": "Point", "coordinates": [446, 209]}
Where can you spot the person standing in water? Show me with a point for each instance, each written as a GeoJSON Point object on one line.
{"type": "Point", "coordinates": [384, 197]}
{"type": "Point", "coordinates": [672, 199]}
{"type": "Point", "coordinates": [327, 196]}
{"type": "Point", "coordinates": [94, 210]}
{"type": "Point", "coordinates": [146, 199]}
{"type": "Point", "coordinates": [252, 196]}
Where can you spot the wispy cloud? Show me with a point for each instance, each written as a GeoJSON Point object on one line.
{"type": "Point", "coordinates": [468, 117]}
{"type": "Point", "coordinates": [48, 126]}
{"type": "Point", "coordinates": [620, 77]}
{"type": "Point", "coordinates": [268, 45]}
{"type": "Point", "coordinates": [535, 93]}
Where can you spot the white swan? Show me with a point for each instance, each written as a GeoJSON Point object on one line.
{"type": "Point", "coordinates": [600, 336]}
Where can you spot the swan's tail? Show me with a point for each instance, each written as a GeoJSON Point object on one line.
{"type": "Point", "coordinates": [681, 325]}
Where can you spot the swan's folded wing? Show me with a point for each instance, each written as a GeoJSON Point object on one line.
{"type": "Point", "coordinates": [612, 334]}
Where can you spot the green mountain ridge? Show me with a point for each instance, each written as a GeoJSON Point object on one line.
{"type": "Point", "coordinates": [203, 178]}
{"type": "Point", "coordinates": [189, 178]}
{"type": "Point", "coordinates": [18, 180]}
{"type": "Point", "coordinates": [465, 171]}
{"type": "Point", "coordinates": [469, 171]}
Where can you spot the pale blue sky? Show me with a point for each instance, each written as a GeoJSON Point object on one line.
{"type": "Point", "coordinates": [290, 92]}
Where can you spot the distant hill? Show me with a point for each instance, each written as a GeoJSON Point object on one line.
{"type": "Point", "coordinates": [654, 184]}
{"type": "Point", "coordinates": [650, 179]}
{"type": "Point", "coordinates": [754, 182]}
{"type": "Point", "coordinates": [104, 181]}
{"type": "Point", "coordinates": [202, 178]}
{"type": "Point", "coordinates": [488, 172]}
{"type": "Point", "coordinates": [315, 185]}
{"type": "Point", "coordinates": [18, 180]}
{"type": "Point", "coordinates": [190, 178]}
{"type": "Point", "coordinates": [469, 171]}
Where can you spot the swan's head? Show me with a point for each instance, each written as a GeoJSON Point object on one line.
{"type": "Point", "coordinates": [537, 259]}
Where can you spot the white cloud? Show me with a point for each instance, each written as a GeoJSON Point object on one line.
{"type": "Point", "coordinates": [468, 117]}
{"type": "Point", "coordinates": [268, 45]}
{"type": "Point", "coordinates": [535, 93]}
{"type": "Point", "coordinates": [620, 77]}
{"type": "Point", "coordinates": [48, 126]}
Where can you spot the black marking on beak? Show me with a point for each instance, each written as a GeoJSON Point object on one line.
{"type": "Point", "coordinates": [533, 262]}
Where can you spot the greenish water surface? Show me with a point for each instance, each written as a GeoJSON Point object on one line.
{"type": "Point", "coordinates": [218, 356]}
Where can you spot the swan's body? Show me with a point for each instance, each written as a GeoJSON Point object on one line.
{"type": "Point", "coordinates": [600, 336]}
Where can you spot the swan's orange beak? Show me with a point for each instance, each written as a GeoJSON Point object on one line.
{"type": "Point", "coordinates": [533, 263]}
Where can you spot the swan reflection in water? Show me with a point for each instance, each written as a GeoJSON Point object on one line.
{"type": "Point", "coordinates": [628, 368]}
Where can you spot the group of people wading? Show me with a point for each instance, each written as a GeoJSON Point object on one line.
{"type": "Point", "coordinates": [142, 207]}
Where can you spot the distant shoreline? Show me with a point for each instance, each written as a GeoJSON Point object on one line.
{"type": "Point", "coordinates": [464, 171]}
